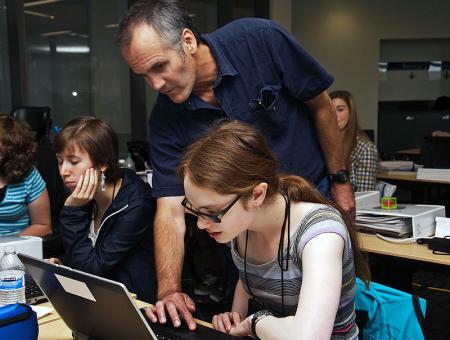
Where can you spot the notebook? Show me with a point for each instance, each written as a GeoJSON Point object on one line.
{"type": "Point", "coordinates": [96, 307]}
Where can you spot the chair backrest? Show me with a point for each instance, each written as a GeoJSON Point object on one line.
{"type": "Point", "coordinates": [39, 120]}
{"type": "Point", "coordinates": [37, 117]}
{"type": "Point", "coordinates": [139, 151]}
{"type": "Point", "coordinates": [435, 152]}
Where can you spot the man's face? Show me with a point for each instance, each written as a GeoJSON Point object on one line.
{"type": "Point", "coordinates": [165, 69]}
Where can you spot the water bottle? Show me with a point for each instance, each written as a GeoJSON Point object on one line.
{"type": "Point", "coordinates": [129, 163]}
{"type": "Point", "coordinates": [12, 278]}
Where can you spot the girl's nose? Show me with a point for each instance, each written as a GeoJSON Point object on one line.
{"type": "Point", "coordinates": [202, 223]}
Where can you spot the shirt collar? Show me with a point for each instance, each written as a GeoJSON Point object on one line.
{"type": "Point", "coordinates": [224, 67]}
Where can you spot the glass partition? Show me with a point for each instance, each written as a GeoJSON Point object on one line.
{"type": "Point", "coordinates": [5, 83]}
{"type": "Point", "coordinates": [74, 65]}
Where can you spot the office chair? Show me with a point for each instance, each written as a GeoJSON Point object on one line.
{"type": "Point", "coordinates": [140, 152]}
{"type": "Point", "coordinates": [39, 120]}
{"type": "Point", "coordinates": [435, 152]}
{"type": "Point", "coordinates": [37, 117]}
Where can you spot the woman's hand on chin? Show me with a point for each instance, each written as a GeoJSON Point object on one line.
{"type": "Point", "coordinates": [85, 190]}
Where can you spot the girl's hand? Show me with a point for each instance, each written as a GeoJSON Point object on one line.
{"type": "Point", "coordinates": [54, 260]}
{"type": "Point", "coordinates": [225, 322]}
{"type": "Point", "coordinates": [244, 328]}
{"type": "Point", "coordinates": [85, 190]}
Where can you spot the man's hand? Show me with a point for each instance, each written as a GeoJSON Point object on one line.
{"type": "Point", "coordinates": [177, 305]}
{"type": "Point", "coordinates": [343, 196]}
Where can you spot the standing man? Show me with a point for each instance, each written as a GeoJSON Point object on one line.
{"type": "Point", "coordinates": [250, 70]}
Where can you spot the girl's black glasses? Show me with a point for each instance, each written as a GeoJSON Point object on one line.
{"type": "Point", "coordinates": [215, 218]}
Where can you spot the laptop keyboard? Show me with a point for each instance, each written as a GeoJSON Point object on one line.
{"type": "Point", "coordinates": [33, 293]}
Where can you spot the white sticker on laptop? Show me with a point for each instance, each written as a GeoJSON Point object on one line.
{"type": "Point", "coordinates": [75, 287]}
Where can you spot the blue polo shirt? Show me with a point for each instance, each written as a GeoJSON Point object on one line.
{"type": "Point", "coordinates": [263, 78]}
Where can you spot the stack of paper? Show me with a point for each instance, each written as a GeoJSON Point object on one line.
{"type": "Point", "coordinates": [387, 225]}
{"type": "Point", "coordinates": [434, 174]}
{"type": "Point", "coordinates": [397, 165]}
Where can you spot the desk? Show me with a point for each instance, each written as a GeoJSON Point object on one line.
{"type": "Point", "coordinates": [408, 176]}
{"type": "Point", "coordinates": [421, 189]}
{"type": "Point", "coordinates": [412, 251]}
{"type": "Point", "coordinates": [51, 326]}
{"type": "Point", "coordinates": [408, 154]}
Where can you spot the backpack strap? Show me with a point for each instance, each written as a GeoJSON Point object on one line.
{"type": "Point", "coordinates": [419, 314]}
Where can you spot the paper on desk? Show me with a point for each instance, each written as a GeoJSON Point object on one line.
{"type": "Point", "coordinates": [442, 227]}
{"type": "Point", "coordinates": [42, 310]}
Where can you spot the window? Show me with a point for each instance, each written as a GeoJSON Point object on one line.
{"type": "Point", "coordinates": [5, 84]}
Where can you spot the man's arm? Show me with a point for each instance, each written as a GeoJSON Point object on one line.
{"type": "Point", "coordinates": [169, 229]}
{"type": "Point", "coordinates": [331, 143]}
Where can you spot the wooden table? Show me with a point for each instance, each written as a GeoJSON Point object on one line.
{"type": "Point", "coordinates": [52, 327]}
{"type": "Point", "coordinates": [412, 251]}
{"type": "Point", "coordinates": [422, 191]}
{"type": "Point", "coordinates": [408, 176]}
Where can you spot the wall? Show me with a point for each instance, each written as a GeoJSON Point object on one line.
{"type": "Point", "coordinates": [281, 12]}
{"type": "Point", "coordinates": [345, 37]}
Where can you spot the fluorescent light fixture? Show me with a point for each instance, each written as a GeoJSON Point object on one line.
{"type": "Point", "coordinates": [382, 66]}
{"type": "Point", "coordinates": [39, 48]}
{"type": "Point", "coordinates": [435, 66]}
{"type": "Point", "coordinates": [112, 26]}
{"type": "Point", "coordinates": [50, 34]}
{"type": "Point", "coordinates": [39, 14]}
{"type": "Point", "coordinates": [38, 3]}
{"type": "Point", "coordinates": [73, 49]}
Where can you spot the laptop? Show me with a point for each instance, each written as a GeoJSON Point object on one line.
{"type": "Point", "coordinates": [99, 308]}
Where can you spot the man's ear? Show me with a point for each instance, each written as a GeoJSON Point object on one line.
{"type": "Point", "coordinates": [258, 196]}
{"type": "Point", "coordinates": [189, 42]}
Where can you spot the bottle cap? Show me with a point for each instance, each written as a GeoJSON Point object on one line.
{"type": "Point", "coordinates": [10, 249]}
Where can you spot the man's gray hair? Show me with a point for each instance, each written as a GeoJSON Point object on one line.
{"type": "Point", "coordinates": [165, 16]}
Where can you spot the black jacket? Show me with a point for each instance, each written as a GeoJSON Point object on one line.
{"type": "Point", "coordinates": [124, 248]}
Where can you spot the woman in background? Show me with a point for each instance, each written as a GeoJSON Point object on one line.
{"type": "Point", "coordinates": [24, 202]}
{"type": "Point", "coordinates": [107, 221]}
{"type": "Point", "coordinates": [360, 152]}
{"type": "Point", "coordinates": [296, 253]}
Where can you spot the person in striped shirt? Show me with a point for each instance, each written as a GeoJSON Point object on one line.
{"type": "Point", "coordinates": [296, 251]}
{"type": "Point", "coordinates": [24, 201]}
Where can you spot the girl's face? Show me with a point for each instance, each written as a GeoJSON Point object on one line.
{"type": "Point", "coordinates": [342, 112]}
{"type": "Point", "coordinates": [72, 164]}
{"type": "Point", "coordinates": [206, 201]}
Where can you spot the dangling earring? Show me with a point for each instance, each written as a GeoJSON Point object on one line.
{"type": "Point", "coordinates": [102, 181]}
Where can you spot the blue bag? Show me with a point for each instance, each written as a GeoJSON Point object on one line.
{"type": "Point", "coordinates": [18, 322]}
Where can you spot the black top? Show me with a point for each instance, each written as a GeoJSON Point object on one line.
{"type": "Point", "coordinates": [124, 247]}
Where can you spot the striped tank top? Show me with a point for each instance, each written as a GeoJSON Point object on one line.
{"type": "Point", "coordinates": [265, 279]}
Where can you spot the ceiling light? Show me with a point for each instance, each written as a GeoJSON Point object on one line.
{"type": "Point", "coordinates": [72, 49]}
{"type": "Point", "coordinates": [39, 14]}
{"type": "Point", "coordinates": [38, 3]}
{"type": "Point", "coordinates": [112, 26]}
{"type": "Point", "coordinates": [50, 34]}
